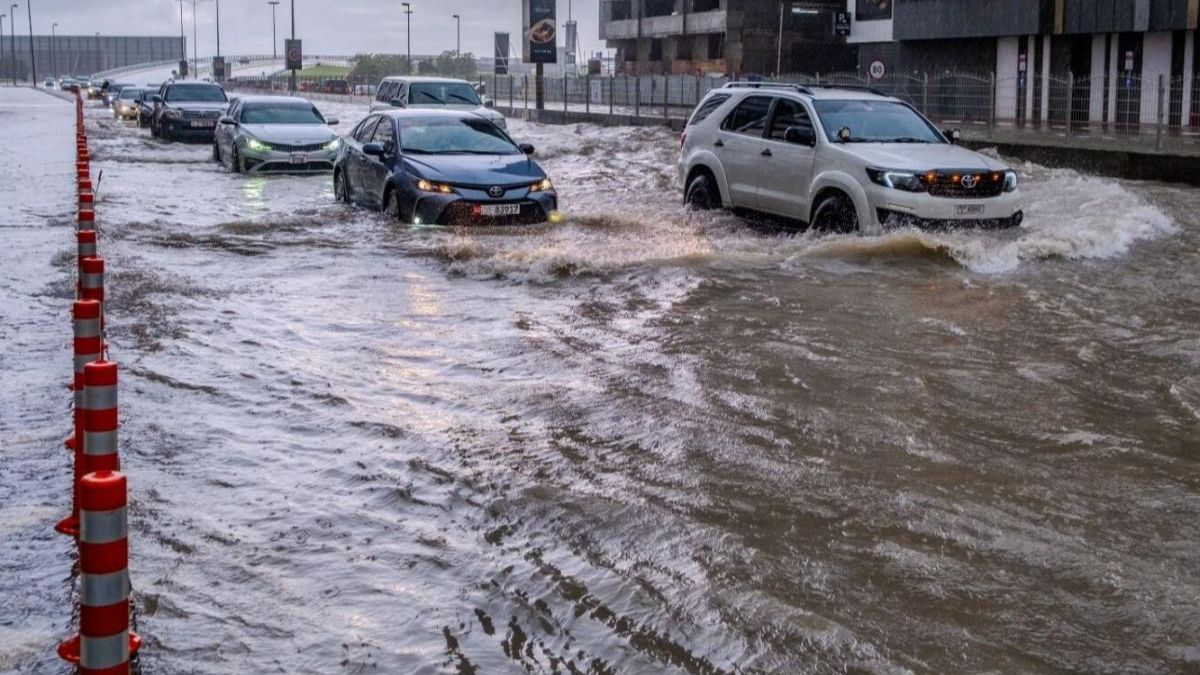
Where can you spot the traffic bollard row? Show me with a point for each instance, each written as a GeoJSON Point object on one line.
{"type": "Point", "coordinates": [89, 347]}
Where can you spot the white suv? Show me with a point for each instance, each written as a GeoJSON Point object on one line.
{"type": "Point", "coordinates": [841, 159]}
{"type": "Point", "coordinates": [433, 92]}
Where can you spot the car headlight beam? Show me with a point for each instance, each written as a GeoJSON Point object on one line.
{"type": "Point", "coordinates": [257, 145]}
{"type": "Point", "coordinates": [427, 186]}
{"type": "Point", "coordinates": [334, 144]}
{"type": "Point", "coordinates": [909, 181]}
{"type": "Point", "coordinates": [544, 185]}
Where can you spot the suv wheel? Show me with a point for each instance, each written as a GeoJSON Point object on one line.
{"type": "Point", "coordinates": [835, 213]}
{"type": "Point", "coordinates": [702, 193]}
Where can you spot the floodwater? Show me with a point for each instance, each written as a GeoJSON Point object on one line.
{"type": "Point", "coordinates": [642, 441]}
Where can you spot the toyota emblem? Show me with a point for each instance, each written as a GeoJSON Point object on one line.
{"type": "Point", "coordinates": [969, 181]}
{"type": "Point", "coordinates": [496, 192]}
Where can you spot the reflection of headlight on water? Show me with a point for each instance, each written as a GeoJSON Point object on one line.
{"type": "Point", "coordinates": [253, 190]}
{"type": "Point", "coordinates": [557, 218]}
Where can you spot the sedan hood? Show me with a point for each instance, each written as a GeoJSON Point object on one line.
{"type": "Point", "coordinates": [921, 156]}
{"type": "Point", "coordinates": [478, 170]}
{"type": "Point", "coordinates": [292, 134]}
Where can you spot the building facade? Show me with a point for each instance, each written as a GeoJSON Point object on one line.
{"type": "Point", "coordinates": [714, 37]}
{"type": "Point", "coordinates": [1116, 54]}
{"type": "Point", "coordinates": [83, 54]}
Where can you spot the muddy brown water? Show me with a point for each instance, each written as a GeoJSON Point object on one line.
{"type": "Point", "coordinates": [641, 441]}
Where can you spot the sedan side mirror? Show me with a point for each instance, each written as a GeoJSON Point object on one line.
{"type": "Point", "coordinates": [227, 120]}
{"type": "Point", "coordinates": [489, 103]}
{"type": "Point", "coordinates": [374, 150]}
{"type": "Point", "coordinates": [526, 148]}
{"type": "Point", "coordinates": [800, 136]}
{"type": "Point", "coordinates": [156, 99]}
{"type": "Point", "coordinates": [952, 135]}
{"type": "Point", "coordinates": [397, 103]}
{"type": "Point", "coordinates": [332, 121]}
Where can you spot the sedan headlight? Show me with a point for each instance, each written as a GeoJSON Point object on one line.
{"type": "Point", "coordinates": [426, 186]}
{"type": "Point", "coordinates": [908, 181]}
{"type": "Point", "coordinates": [257, 145]}
{"type": "Point", "coordinates": [544, 186]}
{"type": "Point", "coordinates": [173, 114]}
{"type": "Point", "coordinates": [1010, 180]}
{"type": "Point", "coordinates": [334, 144]}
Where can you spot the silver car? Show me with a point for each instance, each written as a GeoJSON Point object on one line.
{"type": "Point", "coordinates": [262, 134]}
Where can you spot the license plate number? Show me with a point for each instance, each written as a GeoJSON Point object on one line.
{"type": "Point", "coordinates": [299, 158]}
{"type": "Point", "coordinates": [203, 124]}
{"type": "Point", "coordinates": [500, 210]}
{"type": "Point", "coordinates": [970, 209]}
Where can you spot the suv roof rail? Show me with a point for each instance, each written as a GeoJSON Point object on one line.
{"type": "Point", "coordinates": [802, 88]}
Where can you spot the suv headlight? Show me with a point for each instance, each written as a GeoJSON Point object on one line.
{"type": "Point", "coordinates": [173, 114]}
{"type": "Point", "coordinates": [1010, 180]}
{"type": "Point", "coordinates": [543, 186]}
{"type": "Point", "coordinates": [257, 145]}
{"type": "Point", "coordinates": [909, 181]}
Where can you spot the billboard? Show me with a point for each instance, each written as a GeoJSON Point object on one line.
{"type": "Point", "coordinates": [873, 10]}
{"type": "Point", "coordinates": [294, 49]}
{"type": "Point", "coordinates": [501, 54]}
{"type": "Point", "coordinates": [540, 26]}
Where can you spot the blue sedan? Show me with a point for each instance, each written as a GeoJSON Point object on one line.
{"type": "Point", "coordinates": [443, 168]}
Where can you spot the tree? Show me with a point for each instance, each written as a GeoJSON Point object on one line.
{"type": "Point", "coordinates": [372, 68]}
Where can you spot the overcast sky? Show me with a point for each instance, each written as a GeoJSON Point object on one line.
{"type": "Point", "coordinates": [327, 26]}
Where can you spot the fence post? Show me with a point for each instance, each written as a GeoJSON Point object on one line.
{"type": "Point", "coordinates": [587, 94]}
{"type": "Point", "coordinates": [992, 105]}
{"type": "Point", "coordinates": [511, 93]}
{"type": "Point", "coordinates": [612, 92]}
{"type": "Point", "coordinates": [1070, 102]}
{"type": "Point", "coordinates": [667, 98]}
{"type": "Point", "coordinates": [924, 94]}
{"type": "Point", "coordinates": [525, 87]}
{"type": "Point", "coordinates": [1162, 95]}
{"type": "Point", "coordinates": [637, 95]}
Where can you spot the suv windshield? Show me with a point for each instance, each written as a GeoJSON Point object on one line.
{"type": "Point", "coordinates": [454, 136]}
{"type": "Point", "coordinates": [874, 122]}
{"type": "Point", "coordinates": [195, 92]}
{"type": "Point", "coordinates": [442, 93]}
{"type": "Point", "coordinates": [273, 113]}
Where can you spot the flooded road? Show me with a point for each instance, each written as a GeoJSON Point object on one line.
{"type": "Point", "coordinates": [641, 441]}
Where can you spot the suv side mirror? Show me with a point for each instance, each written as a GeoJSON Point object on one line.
{"type": "Point", "coordinates": [952, 135]}
{"type": "Point", "coordinates": [800, 136]}
{"type": "Point", "coordinates": [227, 120]}
{"type": "Point", "coordinates": [156, 99]}
{"type": "Point", "coordinates": [489, 103]}
{"type": "Point", "coordinates": [374, 150]}
{"type": "Point", "coordinates": [526, 148]}
{"type": "Point", "coordinates": [396, 103]}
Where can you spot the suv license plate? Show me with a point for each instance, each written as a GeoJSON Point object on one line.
{"type": "Point", "coordinates": [970, 209]}
{"type": "Point", "coordinates": [203, 124]}
{"type": "Point", "coordinates": [500, 210]}
{"type": "Point", "coordinates": [299, 158]}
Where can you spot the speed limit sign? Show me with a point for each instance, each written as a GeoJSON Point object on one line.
{"type": "Point", "coordinates": [877, 70]}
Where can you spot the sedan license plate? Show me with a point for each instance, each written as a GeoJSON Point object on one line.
{"type": "Point", "coordinates": [970, 209]}
{"type": "Point", "coordinates": [500, 210]}
{"type": "Point", "coordinates": [299, 158]}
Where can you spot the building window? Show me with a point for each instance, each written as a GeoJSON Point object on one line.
{"type": "Point", "coordinates": [716, 46]}
{"type": "Point", "coordinates": [659, 8]}
{"type": "Point", "coordinates": [706, 5]}
{"type": "Point", "coordinates": [656, 49]}
{"type": "Point", "coordinates": [621, 10]}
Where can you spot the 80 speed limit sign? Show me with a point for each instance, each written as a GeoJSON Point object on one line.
{"type": "Point", "coordinates": [877, 69]}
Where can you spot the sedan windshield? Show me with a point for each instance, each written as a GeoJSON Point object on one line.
{"type": "Point", "coordinates": [200, 93]}
{"type": "Point", "coordinates": [272, 113]}
{"type": "Point", "coordinates": [874, 122]}
{"type": "Point", "coordinates": [130, 93]}
{"type": "Point", "coordinates": [454, 136]}
{"type": "Point", "coordinates": [442, 93]}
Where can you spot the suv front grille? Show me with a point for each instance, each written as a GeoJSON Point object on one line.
{"type": "Point", "coordinates": [311, 147]}
{"type": "Point", "coordinates": [200, 114]}
{"type": "Point", "coordinates": [954, 184]}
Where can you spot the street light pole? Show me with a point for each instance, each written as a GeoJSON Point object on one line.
{"type": "Point", "coordinates": [408, 39]}
{"type": "Point", "coordinates": [53, 50]}
{"type": "Point", "coordinates": [218, 27]}
{"type": "Point", "coordinates": [2, 16]}
{"type": "Point", "coordinates": [293, 82]}
{"type": "Point", "coordinates": [458, 33]}
{"type": "Point", "coordinates": [779, 45]}
{"type": "Point", "coordinates": [274, 41]}
{"type": "Point", "coordinates": [12, 40]}
{"type": "Point", "coordinates": [182, 37]}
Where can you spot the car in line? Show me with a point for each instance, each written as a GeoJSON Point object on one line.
{"type": "Point", "coordinates": [125, 106]}
{"type": "Point", "coordinates": [442, 167]}
{"type": "Point", "coordinates": [187, 111]}
{"type": "Point", "coordinates": [144, 105]}
{"type": "Point", "coordinates": [431, 93]}
{"type": "Point", "coordinates": [112, 92]}
{"type": "Point", "coordinates": [841, 159]}
{"type": "Point", "coordinates": [280, 134]}
{"type": "Point", "coordinates": [48, 83]}
{"type": "Point", "coordinates": [95, 88]}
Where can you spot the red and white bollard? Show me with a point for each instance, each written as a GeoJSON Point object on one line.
{"type": "Point", "coordinates": [86, 240]}
{"type": "Point", "coordinates": [91, 279]}
{"type": "Point", "coordinates": [100, 417]}
{"type": "Point", "coordinates": [89, 347]}
{"type": "Point", "coordinates": [104, 644]}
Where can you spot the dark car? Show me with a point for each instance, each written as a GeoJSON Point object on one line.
{"type": "Point", "coordinates": [188, 110]}
{"type": "Point", "coordinates": [444, 168]}
{"type": "Point", "coordinates": [144, 105]}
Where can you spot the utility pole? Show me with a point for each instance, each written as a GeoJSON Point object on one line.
{"type": "Point", "coordinates": [779, 45]}
{"type": "Point", "coordinates": [218, 27]}
{"type": "Point", "coordinates": [182, 37]}
{"type": "Point", "coordinates": [408, 40]}
{"type": "Point", "coordinates": [458, 32]}
{"type": "Point", "coordinates": [2, 39]}
{"type": "Point", "coordinates": [274, 40]}
{"type": "Point", "coordinates": [12, 40]}
{"type": "Point", "coordinates": [53, 50]}
{"type": "Point", "coordinates": [293, 82]}
{"type": "Point", "coordinates": [32, 60]}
